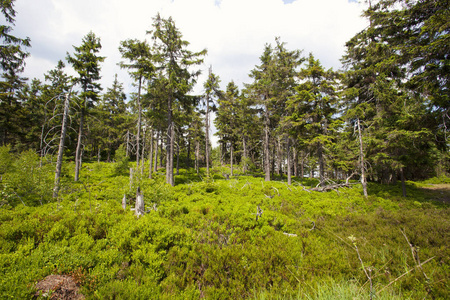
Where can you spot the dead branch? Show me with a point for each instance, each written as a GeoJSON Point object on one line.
{"type": "Point", "coordinates": [331, 187]}
{"type": "Point", "coordinates": [415, 254]}
{"type": "Point", "coordinates": [407, 272]}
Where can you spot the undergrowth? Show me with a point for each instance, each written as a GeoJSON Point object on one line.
{"type": "Point", "coordinates": [205, 237]}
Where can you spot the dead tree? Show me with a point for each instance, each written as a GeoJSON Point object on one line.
{"type": "Point", "coordinates": [361, 155]}
{"type": "Point", "coordinates": [61, 146]}
{"type": "Point", "coordinates": [140, 207]}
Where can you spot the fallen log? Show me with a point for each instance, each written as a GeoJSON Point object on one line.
{"type": "Point", "coordinates": [332, 187]}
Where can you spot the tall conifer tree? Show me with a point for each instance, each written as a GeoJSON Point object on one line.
{"type": "Point", "coordinates": [86, 63]}
{"type": "Point", "coordinates": [175, 63]}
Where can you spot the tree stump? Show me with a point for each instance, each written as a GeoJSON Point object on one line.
{"type": "Point", "coordinates": [140, 207]}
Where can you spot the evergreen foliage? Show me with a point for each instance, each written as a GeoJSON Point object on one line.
{"type": "Point", "coordinates": [241, 220]}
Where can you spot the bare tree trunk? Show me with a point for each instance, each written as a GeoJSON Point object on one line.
{"type": "Point", "coordinates": [161, 152]}
{"type": "Point", "coordinates": [143, 151]}
{"type": "Point", "coordinates": [279, 156]}
{"type": "Point", "coordinates": [128, 143]}
{"type": "Point", "coordinates": [124, 202]}
{"type": "Point", "coordinates": [266, 145]}
{"type": "Point", "coordinates": [131, 178]}
{"type": "Point", "coordinates": [244, 154]}
{"type": "Point", "coordinates": [294, 149]}
{"type": "Point", "coordinates": [188, 158]}
{"type": "Point", "coordinates": [273, 159]}
{"type": "Point", "coordinates": [150, 155]}
{"type": "Point", "coordinates": [321, 163]}
{"type": "Point", "coordinates": [170, 144]}
{"type": "Point", "coordinates": [139, 209]}
{"type": "Point", "coordinates": [178, 155]}
{"type": "Point", "coordinates": [222, 152]}
{"type": "Point", "coordinates": [361, 156]}
{"type": "Point", "coordinates": [288, 152]}
{"type": "Point", "coordinates": [231, 159]}
{"type": "Point", "coordinates": [302, 168]}
{"type": "Point", "coordinates": [78, 150]}
{"type": "Point", "coordinates": [197, 155]}
{"type": "Point", "coordinates": [155, 166]}
{"type": "Point", "coordinates": [207, 133]}
{"type": "Point", "coordinates": [61, 146]}
{"type": "Point", "coordinates": [138, 136]}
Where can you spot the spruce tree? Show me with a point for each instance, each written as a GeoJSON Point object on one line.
{"type": "Point", "coordinates": [86, 63]}
{"type": "Point", "coordinates": [12, 62]}
{"type": "Point", "coordinates": [313, 108]}
{"type": "Point", "coordinates": [176, 64]}
{"type": "Point", "coordinates": [141, 68]}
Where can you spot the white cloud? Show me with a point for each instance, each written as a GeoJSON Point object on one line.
{"type": "Point", "coordinates": [233, 31]}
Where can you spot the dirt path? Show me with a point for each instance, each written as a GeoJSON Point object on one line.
{"type": "Point", "coordinates": [439, 192]}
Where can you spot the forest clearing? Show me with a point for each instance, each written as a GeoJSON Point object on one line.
{"type": "Point", "coordinates": [305, 182]}
{"type": "Point", "coordinates": [226, 239]}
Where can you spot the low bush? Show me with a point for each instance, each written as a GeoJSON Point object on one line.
{"type": "Point", "coordinates": [227, 239]}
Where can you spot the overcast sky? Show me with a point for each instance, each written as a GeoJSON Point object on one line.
{"type": "Point", "coordinates": [233, 31]}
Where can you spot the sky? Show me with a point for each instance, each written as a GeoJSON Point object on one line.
{"type": "Point", "coordinates": [233, 31]}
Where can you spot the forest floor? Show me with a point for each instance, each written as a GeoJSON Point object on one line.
{"type": "Point", "coordinates": [439, 192]}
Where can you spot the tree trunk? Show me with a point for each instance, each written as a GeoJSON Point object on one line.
{"type": "Point", "coordinates": [302, 169]}
{"type": "Point", "coordinates": [273, 159]}
{"type": "Point", "coordinates": [155, 166]}
{"type": "Point", "coordinates": [188, 158]}
{"type": "Point", "coordinates": [402, 176]}
{"type": "Point", "coordinates": [150, 155]}
{"type": "Point", "coordinates": [161, 152]}
{"type": "Point", "coordinates": [78, 150]}
{"type": "Point", "coordinates": [170, 143]}
{"type": "Point", "coordinates": [231, 159]}
{"type": "Point", "coordinates": [131, 178]}
{"type": "Point", "coordinates": [61, 146]}
{"type": "Point", "coordinates": [108, 158]}
{"type": "Point", "coordinates": [197, 155]}
{"type": "Point", "coordinates": [244, 155]}
{"type": "Point", "coordinates": [207, 132]}
{"type": "Point", "coordinates": [222, 151]}
{"type": "Point", "coordinates": [143, 151]}
{"type": "Point", "coordinates": [279, 157]}
{"type": "Point", "coordinates": [294, 149]}
{"type": "Point", "coordinates": [266, 145]}
{"type": "Point", "coordinates": [288, 152]}
{"type": "Point", "coordinates": [321, 163]}
{"type": "Point", "coordinates": [361, 155]}
{"type": "Point", "coordinates": [138, 136]}
{"type": "Point", "coordinates": [98, 154]}
{"type": "Point", "coordinates": [178, 155]}
{"type": "Point", "coordinates": [139, 209]}
{"type": "Point", "coordinates": [128, 143]}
